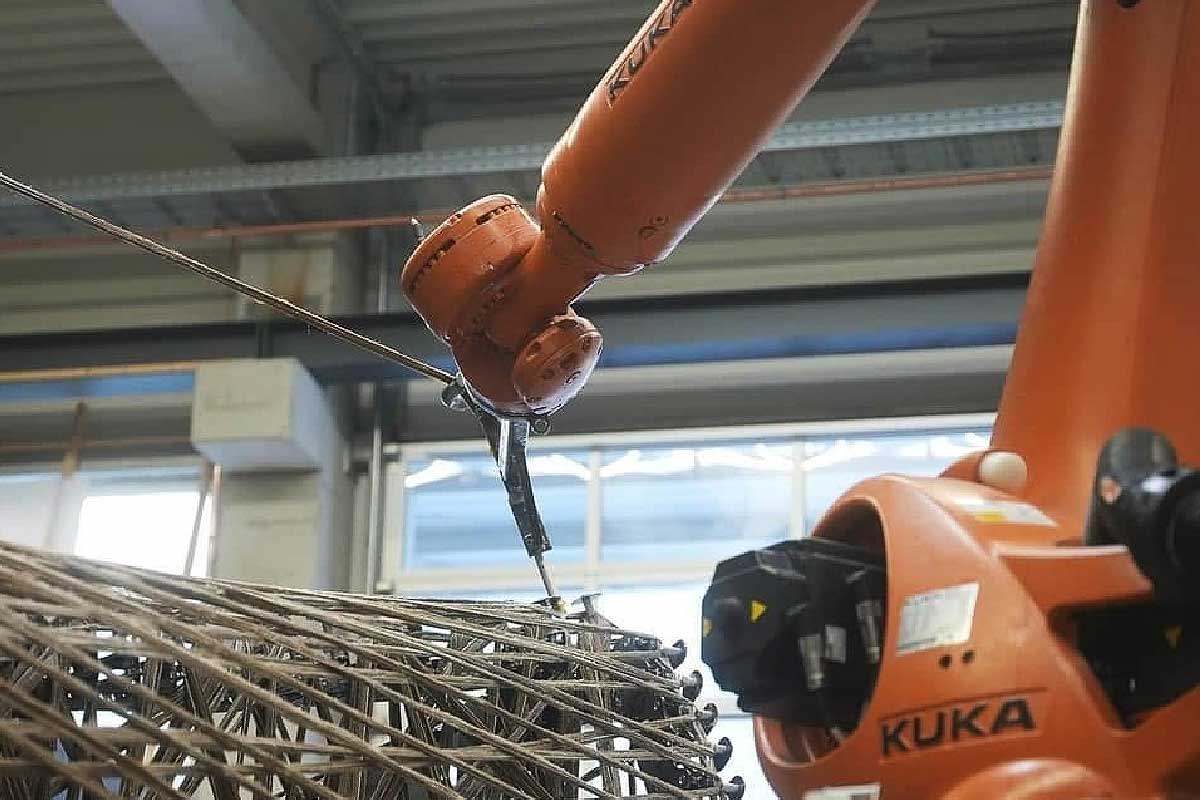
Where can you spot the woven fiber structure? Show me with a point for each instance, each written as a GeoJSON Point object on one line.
{"type": "Point", "coordinates": [119, 683]}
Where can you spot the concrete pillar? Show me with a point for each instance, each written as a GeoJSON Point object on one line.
{"type": "Point", "coordinates": [283, 505]}
{"type": "Point", "coordinates": [317, 271]}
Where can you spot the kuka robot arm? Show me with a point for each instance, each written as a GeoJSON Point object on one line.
{"type": "Point", "coordinates": [676, 119]}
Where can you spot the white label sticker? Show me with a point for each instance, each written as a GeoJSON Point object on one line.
{"type": "Point", "coordinates": [939, 618]}
{"type": "Point", "coordinates": [835, 643]}
{"type": "Point", "coordinates": [1013, 512]}
{"type": "Point", "coordinates": [864, 792]}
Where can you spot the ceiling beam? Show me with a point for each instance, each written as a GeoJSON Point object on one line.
{"type": "Point", "coordinates": [228, 69]}
{"type": "Point", "coordinates": [370, 11]}
{"type": "Point", "coordinates": [807, 135]}
{"type": "Point", "coordinates": [330, 18]}
{"type": "Point", "coordinates": [702, 328]}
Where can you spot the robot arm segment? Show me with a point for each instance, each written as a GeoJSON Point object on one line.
{"type": "Point", "coordinates": [680, 114]}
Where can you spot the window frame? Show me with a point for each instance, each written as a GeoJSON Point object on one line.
{"type": "Point", "coordinates": [115, 475]}
{"type": "Point", "coordinates": [154, 487]}
{"type": "Point", "coordinates": [594, 574]}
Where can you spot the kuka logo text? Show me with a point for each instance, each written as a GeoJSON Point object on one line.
{"type": "Point", "coordinates": [640, 52]}
{"type": "Point", "coordinates": [926, 729]}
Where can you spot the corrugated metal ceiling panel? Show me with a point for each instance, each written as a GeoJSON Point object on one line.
{"type": "Point", "coordinates": [47, 45]}
{"type": "Point", "coordinates": [453, 40]}
{"type": "Point", "coordinates": [471, 49]}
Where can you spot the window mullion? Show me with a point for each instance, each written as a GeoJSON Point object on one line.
{"type": "Point", "coordinates": [595, 511]}
{"type": "Point", "coordinates": [797, 525]}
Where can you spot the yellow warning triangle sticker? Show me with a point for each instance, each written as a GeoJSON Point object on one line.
{"type": "Point", "coordinates": [1173, 635]}
{"type": "Point", "coordinates": [757, 609]}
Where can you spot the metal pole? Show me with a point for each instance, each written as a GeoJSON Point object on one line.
{"type": "Point", "coordinates": [593, 529]}
{"type": "Point", "coordinates": [70, 466]}
{"type": "Point", "coordinates": [798, 524]}
{"type": "Point", "coordinates": [350, 146]}
{"type": "Point", "coordinates": [206, 481]}
{"type": "Point", "coordinates": [377, 501]}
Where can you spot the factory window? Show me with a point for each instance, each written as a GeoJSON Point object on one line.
{"type": "Point", "coordinates": [831, 465]}
{"type": "Point", "coordinates": [148, 525]}
{"type": "Point", "coordinates": [695, 501]}
{"type": "Point", "coordinates": [457, 513]}
{"type": "Point", "coordinates": [639, 504]}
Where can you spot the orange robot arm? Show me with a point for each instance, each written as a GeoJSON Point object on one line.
{"type": "Point", "coordinates": [680, 114]}
{"type": "Point", "coordinates": [1110, 320]}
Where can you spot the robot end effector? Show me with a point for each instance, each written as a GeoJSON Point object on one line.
{"type": "Point", "coordinates": [497, 290]}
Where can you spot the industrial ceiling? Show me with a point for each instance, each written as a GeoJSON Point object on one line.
{"type": "Point", "coordinates": [922, 156]}
{"type": "Point", "coordinates": [423, 63]}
